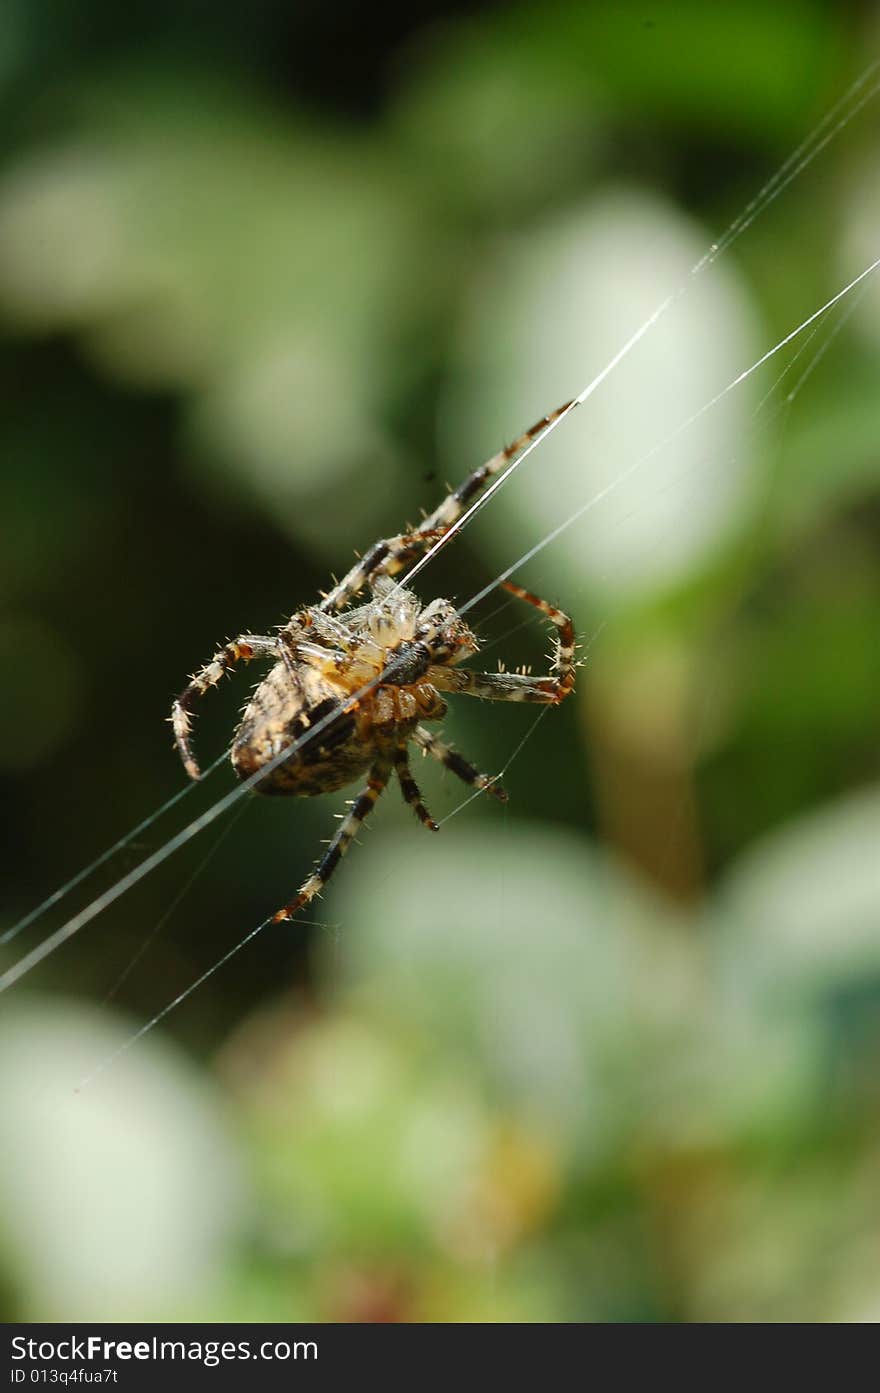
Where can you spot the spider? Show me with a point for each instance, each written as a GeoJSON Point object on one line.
{"type": "Point", "coordinates": [376, 670]}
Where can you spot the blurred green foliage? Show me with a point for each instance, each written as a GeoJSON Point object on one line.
{"type": "Point", "coordinates": [268, 277]}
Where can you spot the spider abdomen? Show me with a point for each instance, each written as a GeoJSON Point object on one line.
{"type": "Point", "coordinates": [292, 700]}
{"type": "Point", "coordinates": [284, 707]}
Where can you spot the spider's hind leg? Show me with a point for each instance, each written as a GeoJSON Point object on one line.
{"type": "Point", "coordinates": [345, 834]}
{"type": "Point", "coordinates": [410, 789]}
{"type": "Point", "coordinates": [451, 759]}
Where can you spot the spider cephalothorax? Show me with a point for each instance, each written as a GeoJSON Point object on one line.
{"type": "Point", "coordinates": [367, 676]}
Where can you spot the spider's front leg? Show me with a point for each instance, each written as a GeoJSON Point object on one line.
{"type": "Point", "coordinates": [345, 834]}
{"type": "Point", "coordinates": [392, 554]}
{"type": "Point", "coordinates": [452, 507]}
{"type": "Point", "coordinates": [514, 686]}
{"type": "Point", "coordinates": [384, 558]}
{"type": "Point", "coordinates": [246, 646]}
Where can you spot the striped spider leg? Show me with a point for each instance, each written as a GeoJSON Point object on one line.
{"type": "Point", "coordinates": [515, 686]}
{"type": "Point", "coordinates": [359, 808]}
{"type": "Point", "coordinates": [246, 647]}
{"type": "Point", "coordinates": [363, 804]}
{"type": "Point", "coordinates": [459, 766]}
{"type": "Point", "coordinates": [392, 554]}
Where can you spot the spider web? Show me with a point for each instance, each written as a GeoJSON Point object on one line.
{"type": "Point", "coordinates": [813, 337]}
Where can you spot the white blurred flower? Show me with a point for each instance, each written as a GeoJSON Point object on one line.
{"type": "Point", "coordinates": [548, 316]}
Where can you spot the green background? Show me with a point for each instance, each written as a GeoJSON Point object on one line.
{"type": "Point", "coordinates": [269, 276]}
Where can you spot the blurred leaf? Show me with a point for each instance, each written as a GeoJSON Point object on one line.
{"type": "Point", "coordinates": [831, 457]}
{"type": "Point", "coordinates": [499, 133]}
{"type": "Point", "coordinates": [739, 70]}
{"type": "Point", "coordinates": [538, 975]}
{"type": "Point", "coordinates": [734, 67]}
{"type": "Point", "coordinates": [261, 268]}
{"type": "Point", "coordinates": [799, 914]}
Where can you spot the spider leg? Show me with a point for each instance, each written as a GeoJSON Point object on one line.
{"type": "Point", "coordinates": [313, 623]}
{"type": "Point", "coordinates": [384, 558]}
{"type": "Point", "coordinates": [514, 686]}
{"type": "Point", "coordinates": [345, 833]}
{"type": "Point", "coordinates": [246, 646]}
{"type": "Point", "coordinates": [392, 554]}
{"type": "Point", "coordinates": [410, 789]}
{"type": "Point", "coordinates": [452, 507]}
{"type": "Point", "coordinates": [451, 759]}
